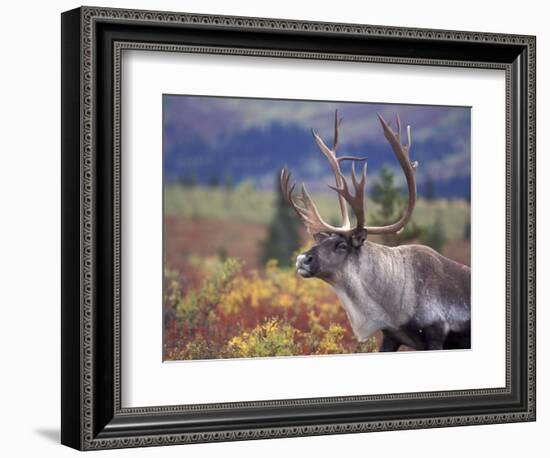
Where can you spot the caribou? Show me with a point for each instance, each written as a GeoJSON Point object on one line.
{"type": "Point", "coordinates": [411, 293]}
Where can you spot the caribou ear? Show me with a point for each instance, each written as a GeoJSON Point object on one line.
{"type": "Point", "coordinates": [358, 237]}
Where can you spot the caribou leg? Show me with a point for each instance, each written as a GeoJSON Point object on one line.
{"type": "Point", "coordinates": [389, 343]}
{"type": "Point", "coordinates": [434, 336]}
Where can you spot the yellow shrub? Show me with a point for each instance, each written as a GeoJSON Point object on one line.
{"type": "Point", "coordinates": [332, 340]}
{"type": "Point", "coordinates": [271, 338]}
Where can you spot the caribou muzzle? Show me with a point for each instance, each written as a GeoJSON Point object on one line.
{"type": "Point", "coordinates": [307, 265]}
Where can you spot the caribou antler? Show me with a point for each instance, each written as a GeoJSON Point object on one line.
{"type": "Point", "coordinates": [308, 212]}
{"type": "Point", "coordinates": [409, 168]}
{"type": "Point", "coordinates": [334, 162]}
{"type": "Point", "coordinates": [306, 209]}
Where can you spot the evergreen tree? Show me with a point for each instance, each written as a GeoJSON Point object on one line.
{"type": "Point", "coordinates": [228, 181]}
{"type": "Point", "coordinates": [193, 180]}
{"type": "Point", "coordinates": [283, 237]}
{"type": "Point", "coordinates": [391, 203]}
{"type": "Point", "coordinates": [434, 236]}
{"type": "Point", "coordinates": [386, 195]}
{"type": "Point", "coordinates": [467, 230]}
{"type": "Point", "coordinates": [430, 188]}
{"type": "Point", "coordinates": [188, 180]}
{"type": "Point", "coordinates": [214, 181]}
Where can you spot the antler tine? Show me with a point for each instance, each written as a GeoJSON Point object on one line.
{"type": "Point", "coordinates": [337, 122]}
{"type": "Point", "coordinates": [351, 158]}
{"type": "Point", "coordinates": [308, 213]}
{"type": "Point", "coordinates": [402, 153]}
{"type": "Point", "coordinates": [314, 222]}
{"type": "Point", "coordinates": [361, 183]}
{"type": "Point", "coordinates": [330, 154]}
{"type": "Point", "coordinates": [357, 200]}
{"type": "Point", "coordinates": [408, 146]}
{"type": "Point", "coordinates": [284, 179]}
{"type": "Point", "coordinates": [398, 123]}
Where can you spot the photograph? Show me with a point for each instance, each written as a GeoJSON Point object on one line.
{"type": "Point", "coordinates": [307, 227]}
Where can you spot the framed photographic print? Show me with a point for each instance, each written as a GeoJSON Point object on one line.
{"type": "Point", "coordinates": [278, 228]}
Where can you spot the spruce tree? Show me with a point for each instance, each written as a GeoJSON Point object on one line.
{"type": "Point", "coordinates": [283, 236]}
{"type": "Point", "coordinates": [430, 188]}
{"type": "Point", "coordinates": [391, 203]}
{"type": "Point", "coordinates": [435, 234]}
{"type": "Point", "coordinates": [466, 232]}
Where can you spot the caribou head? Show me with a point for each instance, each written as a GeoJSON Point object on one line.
{"type": "Point", "coordinates": [336, 244]}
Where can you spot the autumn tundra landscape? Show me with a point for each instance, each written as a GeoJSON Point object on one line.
{"type": "Point", "coordinates": [230, 240]}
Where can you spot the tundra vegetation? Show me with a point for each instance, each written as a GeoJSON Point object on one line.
{"type": "Point", "coordinates": [230, 284]}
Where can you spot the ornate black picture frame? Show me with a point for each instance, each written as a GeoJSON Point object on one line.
{"type": "Point", "coordinates": [92, 42]}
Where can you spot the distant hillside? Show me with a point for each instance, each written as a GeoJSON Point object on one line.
{"type": "Point", "coordinates": [256, 153]}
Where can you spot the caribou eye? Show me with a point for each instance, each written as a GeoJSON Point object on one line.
{"type": "Point", "coordinates": [342, 246]}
